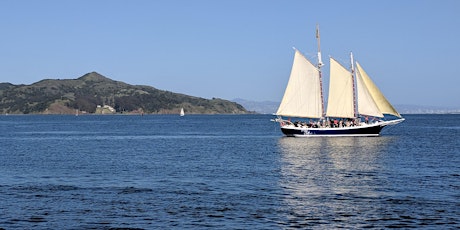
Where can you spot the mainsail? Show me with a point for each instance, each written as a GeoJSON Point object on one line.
{"type": "Point", "coordinates": [382, 103]}
{"type": "Point", "coordinates": [302, 97]}
{"type": "Point", "coordinates": [340, 100]}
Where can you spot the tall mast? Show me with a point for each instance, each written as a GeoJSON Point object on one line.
{"type": "Point", "coordinates": [353, 82]}
{"type": "Point", "coordinates": [320, 64]}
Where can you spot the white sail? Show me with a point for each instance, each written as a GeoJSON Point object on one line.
{"type": "Point", "coordinates": [366, 103]}
{"type": "Point", "coordinates": [182, 113]}
{"type": "Point", "coordinates": [382, 103]}
{"type": "Point", "coordinates": [302, 97]}
{"type": "Point", "coordinates": [340, 100]}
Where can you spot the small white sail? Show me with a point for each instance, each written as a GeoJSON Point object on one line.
{"type": "Point", "coordinates": [302, 97]}
{"type": "Point", "coordinates": [340, 100]}
{"type": "Point", "coordinates": [182, 113]}
{"type": "Point", "coordinates": [382, 103]}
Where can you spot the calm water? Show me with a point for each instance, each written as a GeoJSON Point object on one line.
{"type": "Point", "coordinates": [224, 172]}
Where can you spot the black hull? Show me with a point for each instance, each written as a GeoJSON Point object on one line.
{"type": "Point", "coordinates": [346, 131]}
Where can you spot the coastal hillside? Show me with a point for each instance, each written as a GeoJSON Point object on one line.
{"type": "Point", "coordinates": [94, 93]}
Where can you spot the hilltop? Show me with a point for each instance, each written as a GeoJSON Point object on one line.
{"type": "Point", "coordinates": [95, 93]}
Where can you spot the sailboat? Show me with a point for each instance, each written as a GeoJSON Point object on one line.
{"type": "Point", "coordinates": [182, 113]}
{"type": "Point", "coordinates": [356, 106]}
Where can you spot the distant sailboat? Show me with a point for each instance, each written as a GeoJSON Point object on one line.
{"type": "Point", "coordinates": [353, 99]}
{"type": "Point", "coordinates": [182, 113]}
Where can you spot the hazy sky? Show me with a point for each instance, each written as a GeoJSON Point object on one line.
{"type": "Point", "coordinates": [234, 48]}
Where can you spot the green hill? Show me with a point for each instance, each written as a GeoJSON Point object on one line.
{"type": "Point", "coordinates": [92, 92]}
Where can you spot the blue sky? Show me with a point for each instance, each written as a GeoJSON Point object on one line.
{"type": "Point", "coordinates": [234, 48]}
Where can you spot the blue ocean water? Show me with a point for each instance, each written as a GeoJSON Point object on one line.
{"type": "Point", "coordinates": [224, 172]}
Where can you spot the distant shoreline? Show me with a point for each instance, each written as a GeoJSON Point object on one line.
{"type": "Point", "coordinates": [170, 114]}
{"type": "Point", "coordinates": [270, 107]}
{"type": "Point", "coordinates": [125, 114]}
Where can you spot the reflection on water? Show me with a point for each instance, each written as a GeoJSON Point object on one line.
{"type": "Point", "coordinates": [331, 180]}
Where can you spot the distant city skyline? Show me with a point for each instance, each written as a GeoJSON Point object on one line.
{"type": "Point", "coordinates": [234, 49]}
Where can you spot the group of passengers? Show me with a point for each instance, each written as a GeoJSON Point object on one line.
{"type": "Point", "coordinates": [334, 123]}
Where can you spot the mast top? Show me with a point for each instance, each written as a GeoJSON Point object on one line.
{"type": "Point", "coordinates": [320, 62]}
{"type": "Point", "coordinates": [352, 60]}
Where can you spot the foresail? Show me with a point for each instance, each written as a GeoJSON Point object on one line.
{"type": "Point", "coordinates": [382, 103]}
{"type": "Point", "coordinates": [366, 104]}
{"type": "Point", "coordinates": [302, 97]}
{"type": "Point", "coordinates": [340, 100]}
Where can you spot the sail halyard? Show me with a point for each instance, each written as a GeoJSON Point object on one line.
{"type": "Point", "coordinates": [302, 97]}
